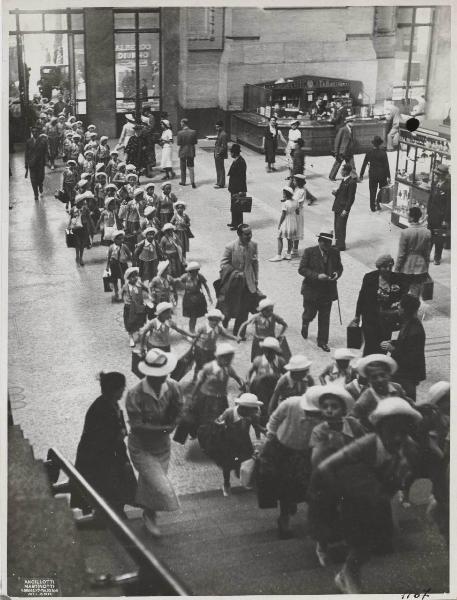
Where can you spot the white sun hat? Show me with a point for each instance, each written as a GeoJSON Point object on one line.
{"type": "Point", "coordinates": [157, 363]}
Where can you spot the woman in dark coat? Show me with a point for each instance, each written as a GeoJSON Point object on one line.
{"type": "Point", "coordinates": [378, 173]}
{"type": "Point", "coordinates": [270, 143]}
{"type": "Point", "coordinates": [101, 457]}
{"type": "Point", "coordinates": [378, 302]}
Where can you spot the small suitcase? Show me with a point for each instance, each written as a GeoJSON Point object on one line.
{"type": "Point", "coordinates": [244, 203]}
{"type": "Point", "coordinates": [386, 194]}
{"type": "Point", "coordinates": [70, 238]}
{"type": "Point", "coordinates": [427, 288]}
{"type": "Point", "coordinates": [354, 336]}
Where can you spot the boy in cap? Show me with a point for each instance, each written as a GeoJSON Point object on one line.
{"type": "Point", "coordinates": [339, 370]}
{"type": "Point", "coordinates": [103, 151]}
{"type": "Point", "coordinates": [112, 165]}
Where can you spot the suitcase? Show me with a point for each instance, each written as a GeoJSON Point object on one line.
{"type": "Point", "coordinates": [70, 238]}
{"type": "Point", "coordinates": [386, 194]}
{"type": "Point", "coordinates": [354, 336]}
{"type": "Point", "coordinates": [244, 203]}
{"type": "Point", "coordinates": [427, 288]}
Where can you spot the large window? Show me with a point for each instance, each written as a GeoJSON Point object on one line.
{"type": "Point", "coordinates": [412, 52]}
{"type": "Point", "coordinates": [137, 60]}
{"type": "Point", "coordinates": [47, 56]}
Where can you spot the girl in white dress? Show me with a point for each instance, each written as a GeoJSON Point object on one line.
{"type": "Point", "coordinates": [288, 224]}
{"type": "Point", "coordinates": [293, 136]}
{"type": "Point", "coordinates": [166, 141]}
{"type": "Point", "coordinates": [299, 196]}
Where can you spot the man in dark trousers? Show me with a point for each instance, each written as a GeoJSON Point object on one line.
{"type": "Point", "coordinates": [343, 150]}
{"type": "Point", "coordinates": [237, 185]}
{"type": "Point", "coordinates": [36, 156]}
{"type": "Point", "coordinates": [344, 199]}
{"type": "Point", "coordinates": [439, 210]}
{"type": "Point", "coordinates": [340, 117]}
{"type": "Point", "coordinates": [220, 154]}
{"type": "Point", "coordinates": [186, 140]}
{"type": "Point", "coordinates": [321, 267]}
{"type": "Point", "coordinates": [409, 348]}
{"type": "Point", "coordinates": [379, 171]}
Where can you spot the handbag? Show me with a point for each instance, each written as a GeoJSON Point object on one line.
{"type": "Point", "coordinates": [61, 196]}
{"type": "Point", "coordinates": [247, 471]}
{"type": "Point", "coordinates": [243, 203]}
{"type": "Point", "coordinates": [107, 280]}
{"type": "Point", "coordinates": [353, 336]}
{"type": "Point", "coordinates": [70, 238]}
{"type": "Point", "coordinates": [427, 288]}
{"type": "Point", "coordinates": [184, 364]}
{"type": "Point", "coordinates": [385, 194]}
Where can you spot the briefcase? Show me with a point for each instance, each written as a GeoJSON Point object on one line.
{"type": "Point", "coordinates": [70, 238]}
{"type": "Point", "coordinates": [354, 336]}
{"type": "Point", "coordinates": [386, 194]}
{"type": "Point", "coordinates": [427, 288]}
{"type": "Point", "coordinates": [244, 203]}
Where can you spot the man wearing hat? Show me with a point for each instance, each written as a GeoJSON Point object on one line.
{"type": "Point", "coordinates": [36, 156]}
{"type": "Point", "coordinates": [340, 116]}
{"type": "Point", "coordinates": [344, 149]}
{"type": "Point", "coordinates": [321, 267]}
{"type": "Point", "coordinates": [344, 199]}
{"type": "Point", "coordinates": [133, 149]}
{"type": "Point", "coordinates": [220, 154]}
{"type": "Point", "coordinates": [439, 210]}
{"type": "Point", "coordinates": [186, 141]}
{"type": "Point", "coordinates": [379, 171]}
{"type": "Point", "coordinates": [237, 185]}
{"type": "Point", "coordinates": [239, 277]}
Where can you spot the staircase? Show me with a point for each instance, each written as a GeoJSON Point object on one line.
{"type": "Point", "coordinates": [227, 546]}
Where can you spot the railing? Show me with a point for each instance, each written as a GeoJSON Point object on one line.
{"type": "Point", "coordinates": [153, 578]}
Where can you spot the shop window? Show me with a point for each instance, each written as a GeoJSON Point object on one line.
{"type": "Point", "coordinates": [79, 63]}
{"type": "Point", "coordinates": [404, 15]}
{"type": "Point", "coordinates": [424, 16]}
{"type": "Point", "coordinates": [12, 21]}
{"type": "Point", "coordinates": [149, 20]}
{"type": "Point", "coordinates": [31, 22]}
{"type": "Point", "coordinates": [124, 20]}
{"type": "Point", "coordinates": [125, 71]}
{"type": "Point", "coordinates": [54, 21]}
{"type": "Point", "coordinates": [149, 65]}
{"type": "Point", "coordinates": [77, 21]}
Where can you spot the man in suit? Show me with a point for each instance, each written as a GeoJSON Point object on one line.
{"type": "Point", "coordinates": [240, 269]}
{"type": "Point", "coordinates": [414, 251]}
{"type": "Point", "coordinates": [393, 117]}
{"type": "Point", "coordinates": [379, 171]}
{"type": "Point", "coordinates": [408, 350]}
{"type": "Point", "coordinates": [340, 117]}
{"type": "Point", "coordinates": [220, 154]}
{"type": "Point", "coordinates": [187, 138]}
{"type": "Point", "coordinates": [321, 267]}
{"type": "Point", "coordinates": [36, 156]}
{"type": "Point", "coordinates": [343, 150]}
{"type": "Point", "coordinates": [237, 185]}
{"type": "Point", "coordinates": [439, 210]}
{"type": "Point", "coordinates": [344, 199]}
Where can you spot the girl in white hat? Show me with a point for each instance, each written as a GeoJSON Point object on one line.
{"type": "Point", "coordinates": [294, 382]}
{"type": "Point", "coordinates": [119, 177]}
{"type": "Point", "coordinates": [163, 287]}
{"type": "Point", "coordinates": [366, 474]}
{"type": "Point", "coordinates": [153, 407]}
{"type": "Point", "coordinates": [132, 211]}
{"type": "Point", "coordinates": [156, 332]}
{"type": "Point", "coordinates": [209, 397]}
{"type": "Point", "coordinates": [68, 182]}
{"type": "Point", "coordinates": [134, 308]}
{"type": "Point", "coordinates": [150, 197]}
{"type": "Point", "coordinates": [150, 220]}
{"type": "Point", "coordinates": [108, 223]}
{"type": "Point", "coordinates": [103, 151]}
{"type": "Point", "coordinates": [181, 223]}
{"type": "Point", "coordinates": [165, 204]}
{"type": "Point", "coordinates": [87, 164]}
{"type": "Point", "coordinates": [231, 443]}
{"type": "Point", "coordinates": [265, 372]}
{"type": "Point", "coordinates": [99, 188]}
{"type": "Point", "coordinates": [193, 303]}
{"type": "Point", "coordinates": [170, 249]}
{"type": "Point", "coordinates": [207, 338]}
{"type": "Point", "coordinates": [339, 370]}
{"type": "Point", "coordinates": [284, 465]}
{"type": "Point", "coordinates": [112, 165]}
{"type": "Point", "coordinates": [288, 224]}
{"type": "Point", "coordinates": [82, 226]}
{"type": "Point", "coordinates": [264, 323]}
{"type": "Point", "coordinates": [147, 255]}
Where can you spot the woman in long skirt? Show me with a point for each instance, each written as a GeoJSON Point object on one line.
{"type": "Point", "coordinates": [166, 141]}
{"type": "Point", "coordinates": [270, 143]}
{"type": "Point", "coordinates": [154, 406]}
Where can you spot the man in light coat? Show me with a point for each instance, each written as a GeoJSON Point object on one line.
{"type": "Point", "coordinates": [414, 251]}
{"type": "Point", "coordinates": [240, 276]}
{"type": "Point", "coordinates": [343, 150]}
{"type": "Point", "coordinates": [393, 117]}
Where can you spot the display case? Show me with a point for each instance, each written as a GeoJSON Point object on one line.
{"type": "Point", "coordinates": [419, 153]}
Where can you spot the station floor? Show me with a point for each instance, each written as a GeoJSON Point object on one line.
{"type": "Point", "coordinates": [63, 329]}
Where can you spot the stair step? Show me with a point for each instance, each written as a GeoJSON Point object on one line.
{"type": "Point", "coordinates": [27, 481]}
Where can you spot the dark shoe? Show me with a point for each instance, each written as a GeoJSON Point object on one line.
{"type": "Point", "coordinates": [332, 178]}
{"type": "Point", "coordinates": [233, 228]}
{"type": "Point", "coordinates": [324, 347]}
{"type": "Point", "coordinates": [230, 225]}
{"type": "Point", "coordinates": [218, 187]}
{"type": "Point", "coordinates": [194, 186]}
{"type": "Point", "coordinates": [304, 333]}
{"type": "Point", "coordinates": [181, 183]}
{"type": "Point", "coordinates": [283, 529]}
{"type": "Point", "coordinates": [437, 261]}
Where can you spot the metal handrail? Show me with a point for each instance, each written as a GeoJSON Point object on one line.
{"type": "Point", "coordinates": [154, 578]}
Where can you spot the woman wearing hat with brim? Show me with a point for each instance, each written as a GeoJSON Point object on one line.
{"type": "Point", "coordinates": [379, 171]}
{"type": "Point", "coordinates": [172, 251]}
{"type": "Point", "coordinates": [288, 224]}
{"type": "Point", "coordinates": [377, 303]}
{"type": "Point", "coordinates": [194, 303]}
{"type": "Point", "coordinates": [378, 370]}
{"type": "Point", "coordinates": [264, 322]}
{"type": "Point", "coordinates": [363, 477]}
{"type": "Point", "coordinates": [154, 406]}
{"type": "Point", "coordinates": [230, 444]}
{"type": "Point", "coordinates": [134, 307]}
{"type": "Point", "coordinates": [294, 382]}
{"type": "Point", "coordinates": [284, 465]}
{"type": "Point", "coordinates": [293, 135]}
{"type": "Point", "coordinates": [181, 222]}
{"type": "Point", "coordinates": [207, 338]}
{"type": "Point", "coordinates": [209, 397]}
{"type": "Point", "coordinates": [265, 372]}
{"type": "Point", "coordinates": [81, 225]}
